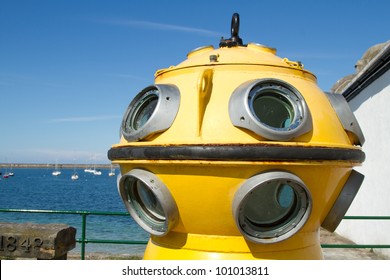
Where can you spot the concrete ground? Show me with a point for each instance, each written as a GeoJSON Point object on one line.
{"type": "Point", "coordinates": [344, 253]}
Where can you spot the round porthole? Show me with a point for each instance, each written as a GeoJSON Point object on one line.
{"type": "Point", "coordinates": [153, 110]}
{"type": "Point", "coordinates": [148, 201]}
{"type": "Point", "coordinates": [271, 207]}
{"type": "Point", "coordinates": [271, 108]}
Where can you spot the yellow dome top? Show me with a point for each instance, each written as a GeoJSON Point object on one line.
{"type": "Point", "coordinates": [252, 54]}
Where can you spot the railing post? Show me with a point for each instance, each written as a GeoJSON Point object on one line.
{"type": "Point", "coordinates": [83, 234]}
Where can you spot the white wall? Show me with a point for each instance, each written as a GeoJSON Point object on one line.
{"type": "Point", "coordinates": [372, 109]}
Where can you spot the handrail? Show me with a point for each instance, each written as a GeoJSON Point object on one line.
{"type": "Point", "coordinates": [366, 218]}
{"type": "Point", "coordinates": [84, 240]}
{"type": "Point", "coordinates": [360, 246]}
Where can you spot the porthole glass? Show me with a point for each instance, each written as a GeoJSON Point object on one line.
{"type": "Point", "coordinates": [285, 196]}
{"type": "Point", "coordinates": [146, 202]}
{"type": "Point", "coordinates": [143, 111]}
{"type": "Point", "coordinates": [273, 109]}
{"type": "Point", "coordinates": [271, 207]}
{"type": "Point", "coordinates": [268, 207]}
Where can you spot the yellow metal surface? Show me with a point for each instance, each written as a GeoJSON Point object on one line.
{"type": "Point", "coordinates": [206, 88]}
{"type": "Point", "coordinates": [204, 190]}
{"type": "Point", "coordinates": [229, 248]}
{"type": "Point", "coordinates": [204, 193]}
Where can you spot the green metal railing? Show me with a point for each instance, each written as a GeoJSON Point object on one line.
{"type": "Point", "coordinates": [84, 240]}
{"type": "Point", "coordinates": [360, 246]}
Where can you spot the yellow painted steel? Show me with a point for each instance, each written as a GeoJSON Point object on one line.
{"type": "Point", "coordinates": [204, 190]}
{"type": "Point", "coordinates": [202, 250]}
{"type": "Point", "coordinates": [206, 89]}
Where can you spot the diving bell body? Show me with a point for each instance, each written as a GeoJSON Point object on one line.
{"type": "Point", "coordinates": [236, 153]}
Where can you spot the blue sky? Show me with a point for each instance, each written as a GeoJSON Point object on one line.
{"type": "Point", "coordinates": [68, 69]}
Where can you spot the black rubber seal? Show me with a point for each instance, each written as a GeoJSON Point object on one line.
{"type": "Point", "coordinates": [236, 153]}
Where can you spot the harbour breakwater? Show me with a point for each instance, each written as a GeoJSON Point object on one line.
{"type": "Point", "coordinates": [58, 165]}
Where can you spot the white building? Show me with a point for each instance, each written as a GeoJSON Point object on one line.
{"type": "Point", "coordinates": [368, 94]}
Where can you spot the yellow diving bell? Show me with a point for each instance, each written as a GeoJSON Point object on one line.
{"type": "Point", "coordinates": [236, 153]}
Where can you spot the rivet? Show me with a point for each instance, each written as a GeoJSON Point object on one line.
{"type": "Point", "coordinates": [213, 58]}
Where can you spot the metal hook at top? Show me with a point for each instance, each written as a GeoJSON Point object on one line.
{"type": "Point", "coordinates": [235, 26]}
{"type": "Point", "coordinates": [235, 40]}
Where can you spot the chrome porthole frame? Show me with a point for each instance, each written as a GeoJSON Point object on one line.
{"type": "Point", "coordinates": [152, 110]}
{"type": "Point", "coordinates": [347, 118]}
{"type": "Point", "coordinates": [343, 201]}
{"type": "Point", "coordinates": [275, 97]}
{"type": "Point", "coordinates": [148, 201]}
{"type": "Point", "coordinates": [262, 191]}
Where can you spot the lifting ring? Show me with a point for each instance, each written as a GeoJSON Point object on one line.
{"type": "Point", "coordinates": [235, 26]}
{"type": "Point", "coordinates": [235, 40]}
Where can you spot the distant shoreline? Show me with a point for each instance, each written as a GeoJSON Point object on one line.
{"type": "Point", "coordinates": [53, 165]}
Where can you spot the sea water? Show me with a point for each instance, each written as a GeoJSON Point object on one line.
{"type": "Point", "coordinates": [38, 189]}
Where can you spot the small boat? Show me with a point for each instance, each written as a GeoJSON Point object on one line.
{"type": "Point", "coordinates": [7, 173]}
{"type": "Point", "coordinates": [56, 173]}
{"type": "Point", "coordinates": [88, 170]}
{"type": "Point", "coordinates": [112, 172]}
{"type": "Point", "coordinates": [11, 173]}
{"type": "Point", "coordinates": [75, 176]}
{"type": "Point", "coordinates": [96, 172]}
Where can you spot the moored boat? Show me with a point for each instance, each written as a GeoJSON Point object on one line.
{"type": "Point", "coordinates": [112, 172]}
{"type": "Point", "coordinates": [56, 173]}
{"type": "Point", "coordinates": [75, 176]}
